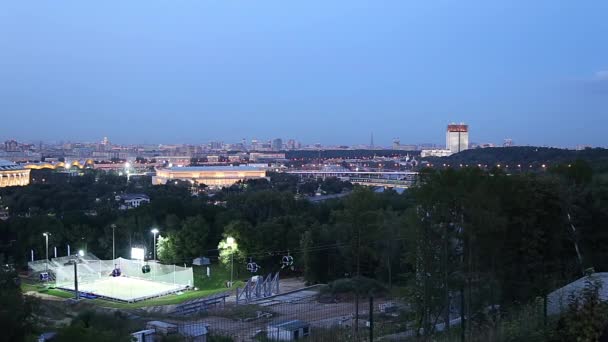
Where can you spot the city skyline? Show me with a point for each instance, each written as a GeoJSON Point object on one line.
{"type": "Point", "coordinates": [326, 73]}
{"type": "Point", "coordinates": [382, 143]}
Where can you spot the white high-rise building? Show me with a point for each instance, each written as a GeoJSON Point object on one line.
{"type": "Point", "coordinates": [457, 137]}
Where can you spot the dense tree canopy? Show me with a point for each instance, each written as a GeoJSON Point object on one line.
{"type": "Point", "coordinates": [471, 236]}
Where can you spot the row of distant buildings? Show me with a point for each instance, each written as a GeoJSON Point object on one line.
{"type": "Point", "coordinates": [104, 150]}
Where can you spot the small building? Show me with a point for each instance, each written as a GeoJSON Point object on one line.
{"type": "Point", "coordinates": [195, 332]}
{"type": "Point", "coordinates": [129, 201]}
{"type": "Point", "coordinates": [558, 300]}
{"type": "Point", "coordinates": [201, 261]}
{"type": "Point", "coordinates": [47, 336]}
{"type": "Point", "coordinates": [162, 328]}
{"type": "Point", "coordinates": [143, 336]}
{"type": "Point", "coordinates": [288, 330]}
{"type": "Point", "coordinates": [435, 153]}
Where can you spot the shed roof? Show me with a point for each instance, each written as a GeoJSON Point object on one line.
{"type": "Point", "coordinates": [290, 325]}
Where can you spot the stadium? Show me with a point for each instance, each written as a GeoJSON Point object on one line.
{"type": "Point", "coordinates": [119, 279]}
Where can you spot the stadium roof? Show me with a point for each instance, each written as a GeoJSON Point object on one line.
{"type": "Point", "coordinates": [215, 168]}
{"type": "Point", "coordinates": [6, 165]}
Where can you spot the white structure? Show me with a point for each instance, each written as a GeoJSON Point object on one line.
{"type": "Point", "coordinates": [457, 137]}
{"type": "Point", "coordinates": [288, 330]}
{"type": "Point", "coordinates": [557, 301]}
{"type": "Point", "coordinates": [144, 335]}
{"type": "Point", "coordinates": [435, 153]}
{"type": "Point", "coordinates": [97, 277]}
{"type": "Point", "coordinates": [130, 201]}
{"type": "Point", "coordinates": [162, 328]}
{"type": "Point", "coordinates": [12, 174]}
{"type": "Point", "coordinates": [195, 332]}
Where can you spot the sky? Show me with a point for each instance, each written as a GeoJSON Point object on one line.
{"type": "Point", "coordinates": [333, 72]}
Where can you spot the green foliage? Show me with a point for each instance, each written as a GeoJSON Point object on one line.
{"type": "Point", "coordinates": [167, 249]}
{"type": "Point", "coordinates": [16, 311]}
{"type": "Point", "coordinates": [526, 156]}
{"type": "Point", "coordinates": [492, 238]}
{"type": "Point", "coordinates": [587, 316]}
{"type": "Point", "coordinates": [97, 327]}
{"type": "Point", "coordinates": [219, 338]}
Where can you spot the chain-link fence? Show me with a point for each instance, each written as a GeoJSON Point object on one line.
{"type": "Point", "coordinates": [293, 316]}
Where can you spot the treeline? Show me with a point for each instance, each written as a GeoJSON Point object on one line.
{"type": "Point", "coordinates": [526, 156]}
{"type": "Point", "coordinates": [347, 154]}
{"type": "Point", "coordinates": [459, 242]}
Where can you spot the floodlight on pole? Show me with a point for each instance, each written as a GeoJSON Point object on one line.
{"type": "Point", "coordinates": [230, 243]}
{"type": "Point", "coordinates": [46, 238]}
{"type": "Point", "coordinates": [154, 232]}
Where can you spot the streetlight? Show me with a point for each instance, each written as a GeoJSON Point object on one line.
{"type": "Point", "coordinates": [127, 170]}
{"type": "Point", "coordinates": [74, 262]}
{"type": "Point", "coordinates": [154, 232]}
{"type": "Point", "coordinates": [230, 243]}
{"type": "Point", "coordinates": [113, 245]}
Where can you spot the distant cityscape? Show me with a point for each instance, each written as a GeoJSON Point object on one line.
{"type": "Point", "coordinates": [457, 139]}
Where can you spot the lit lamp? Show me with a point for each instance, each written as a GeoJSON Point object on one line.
{"type": "Point", "coordinates": [127, 167]}
{"type": "Point", "coordinates": [154, 232]}
{"type": "Point", "coordinates": [230, 243]}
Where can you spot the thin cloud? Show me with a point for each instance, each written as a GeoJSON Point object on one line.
{"type": "Point", "coordinates": [601, 75]}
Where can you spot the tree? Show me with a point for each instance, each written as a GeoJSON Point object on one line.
{"type": "Point", "coordinates": [191, 239]}
{"type": "Point", "coordinates": [166, 249]}
{"type": "Point", "coordinates": [16, 311]}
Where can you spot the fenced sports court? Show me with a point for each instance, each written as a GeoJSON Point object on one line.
{"type": "Point", "coordinates": [119, 279]}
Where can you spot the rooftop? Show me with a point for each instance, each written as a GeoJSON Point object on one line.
{"type": "Point", "coordinates": [291, 325]}
{"type": "Point", "coordinates": [126, 197]}
{"type": "Point", "coordinates": [6, 165]}
{"type": "Point", "coordinates": [214, 168]}
{"type": "Point", "coordinates": [193, 329]}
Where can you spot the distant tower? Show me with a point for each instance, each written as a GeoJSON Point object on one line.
{"type": "Point", "coordinates": [457, 137]}
{"type": "Point", "coordinates": [396, 144]}
{"type": "Point", "coordinates": [105, 141]}
{"type": "Point", "coordinates": [508, 142]}
{"type": "Point", "coordinates": [277, 144]}
{"type": "Point", "coordinates": [371, 144]}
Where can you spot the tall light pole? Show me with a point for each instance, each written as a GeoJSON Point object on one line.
{"type": "Point", "coordinates": [113, 245]}
{"type": "Point", "coordinates": [154, 232]}
{"type": "Point", "coordinates": [231, 244]}
{"type": "Point", "coordinates": [127, 171]}
{"type": "Point", "coordinates": [46, 238]}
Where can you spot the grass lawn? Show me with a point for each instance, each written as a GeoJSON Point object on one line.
{"type": "Point", "coordinates": [206, 286]}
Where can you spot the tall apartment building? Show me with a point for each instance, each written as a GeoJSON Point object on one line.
{"type": "Point", "coordinates": [457, 137]}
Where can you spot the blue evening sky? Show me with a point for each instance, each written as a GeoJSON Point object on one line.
{"type": "Point", "coordinates": [326, 71]}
